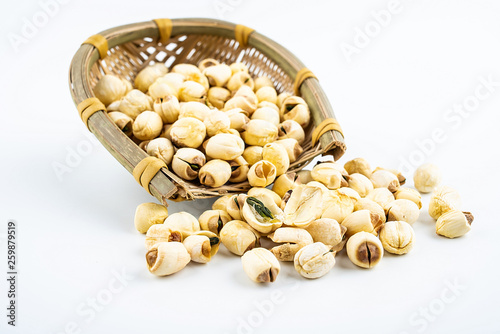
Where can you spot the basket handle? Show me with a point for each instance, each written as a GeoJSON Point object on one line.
{"type": "Point", "coordinates": [327, 132]}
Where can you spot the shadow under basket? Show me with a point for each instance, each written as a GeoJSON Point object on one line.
{"type": "Point", "coordinates": [124, 51]}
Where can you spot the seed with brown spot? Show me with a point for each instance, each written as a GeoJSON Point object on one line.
{"type": "Point", "coordinates": [161, 233]}
{"type": "Point", "coordinates": [202, 246]}
{"type": "Point", "coordinates": [167, 258]}
{"type": "Point", "coordinates": [362, 220]}
{"type": "Point", "coordinates": [364, 250]}
{"type": "Point", "coordinates": [260, 265]}
{"type": "Point", "coordinates": [214, 220]}
{"type": "Point", "coordinates": [385, 179]}
{"type": "Point", "coordinates": [454, 223]}
{"type": "Point", "coordinates": [215, 173]}
{"type": "Point", "coordinates": [261, 174]}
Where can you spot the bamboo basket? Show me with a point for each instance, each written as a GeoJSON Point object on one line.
{"type": "Point", "coordinates": [124, 51]}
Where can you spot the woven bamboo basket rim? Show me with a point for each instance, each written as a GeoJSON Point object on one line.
{"type": "Point", "coordinates": [132, 42]}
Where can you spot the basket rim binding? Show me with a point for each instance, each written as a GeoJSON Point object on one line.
{"type": "Point", "coordinates": [164, 185]}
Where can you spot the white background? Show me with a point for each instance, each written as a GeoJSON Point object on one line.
{"type": "Point", "coordinates": [76, 232]}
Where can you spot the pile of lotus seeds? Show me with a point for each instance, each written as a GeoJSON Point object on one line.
{"type": "Point", "coordinates": [309, 217]}
{"type": "Point", "coordinates": [213, 123]}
